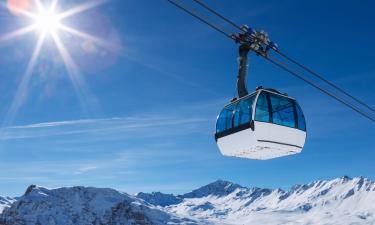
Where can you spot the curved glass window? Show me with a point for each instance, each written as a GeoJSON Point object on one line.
{"type": "Point", "coordinates": [262, 112]}
{"type": "Point", "coordinates": [244, 111]}
{"type": "Point", "coordinates": [300, 118]}
{"type": "Point", "coordinates": [282, 110]}
{"type": "Point", "coordinates": [225, 119]}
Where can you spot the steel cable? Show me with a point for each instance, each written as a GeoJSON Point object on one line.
{"type": "Point", "coordinates": [201, 18]}
{"type": "Point", "coordinates": [200, 2]}
{"type": "Point", "coordinates": [276, 62]}
{"type": "Point", "coordinates": [284, 67]}
{"type": "Point", "coordinates": [325, 80]}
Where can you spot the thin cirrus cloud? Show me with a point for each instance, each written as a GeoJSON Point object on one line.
{"type": "Point", "coordinates": [186, 118]}
{"type": "Point", "coordinates": [104, 126]}
{"type": "Point", "coordinates": [62, 123]}
{"type": "Point", "coordinates": [86, 169]}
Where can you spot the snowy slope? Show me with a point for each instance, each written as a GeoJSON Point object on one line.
{"type": "Point", "coordinates": [5, 202]}
{"type": "Point", "coordinates": [339, 201]}
{"type": "Point", "coordinates": [84, 206]}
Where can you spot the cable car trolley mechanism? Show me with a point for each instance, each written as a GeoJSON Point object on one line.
{"type": "Point", "coordinates": [266, 123]}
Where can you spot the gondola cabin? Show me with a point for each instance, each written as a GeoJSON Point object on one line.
{"type": "Point", "coordinates": [263, 125]}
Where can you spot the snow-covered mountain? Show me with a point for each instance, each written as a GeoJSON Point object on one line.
{"type": "Point", "coordinates": [340, 201]}
{"type": "Point", "coordinates": [84, 206]}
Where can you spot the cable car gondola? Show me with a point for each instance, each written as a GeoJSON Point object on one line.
{"type": "Point", "coordinates": [262, 125]}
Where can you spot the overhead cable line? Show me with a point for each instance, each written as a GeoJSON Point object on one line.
{"type": "Point", "coordinates": [294, 73]}
{"type": "Point", "coordinates": [217, 14]}
{"type": "Point", "coordinates": [273, 61]}
{"type": "Point", "coordinates": [201, 18]}
{"type": "Point", "coordinates": [325, 80]}
{"type": "Point", "coordinates": [200, 2]}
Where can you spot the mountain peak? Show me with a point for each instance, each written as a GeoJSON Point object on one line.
{"type": "Point", "coordinates": [222, 184]}
{"type": "Point", "coordinates": [81, 206]}
{"type": "Point", "coordinates": [345, 178]}
{"type": "Point", "coordinates": [160, 199]}
{"type": "Point", "coordinates": [217, 188]}
{"type": "Point", "coordinates": [30, 189]}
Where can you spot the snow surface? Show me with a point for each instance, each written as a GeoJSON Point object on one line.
{"type": "Point", "coordinates": [84, 206]}
{"type": "Point", "coordinates": [341, 201]}
{"type": "Point", "coordinates": [5, 202]}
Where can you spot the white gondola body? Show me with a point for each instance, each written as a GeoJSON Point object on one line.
{"type": "Point", "coordinates": [267, 141]}
{"type": "Point", "coordinates": [262, 141]}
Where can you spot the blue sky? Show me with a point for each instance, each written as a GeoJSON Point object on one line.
{"type": "Point", "coordinates": [145, 119]}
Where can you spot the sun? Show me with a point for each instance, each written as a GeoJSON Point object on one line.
{"type": "Point", "coordinates": [47, 22]}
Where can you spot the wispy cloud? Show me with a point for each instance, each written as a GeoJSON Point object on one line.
{"type": "Point", "coordinates": [85, 169]}
{"type": "Point", "coordinates": [61, 123]}
{"type": "Point", "coordinates": [185, 118]}
{"type": "Point", "coordinates": [101, 126]}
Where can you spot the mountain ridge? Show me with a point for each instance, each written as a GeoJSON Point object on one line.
{"type": "Point", "coordinates": [343, 200]}
{"type": "Point", "coordinates": [226, 187]}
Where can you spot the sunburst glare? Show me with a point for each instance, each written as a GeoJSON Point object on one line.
{"type": "Point", "coordinates": [46, 21]}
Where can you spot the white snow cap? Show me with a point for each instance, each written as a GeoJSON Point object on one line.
{"type": "Point", "coordinates": [339, 201]}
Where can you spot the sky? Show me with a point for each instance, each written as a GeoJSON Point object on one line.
{"type": "Point", "coordinates": [138, 110]}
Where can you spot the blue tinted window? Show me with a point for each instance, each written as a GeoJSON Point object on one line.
{"type": "Point", "coordinates": [244, 111]}
{"type": "Point", "coordinates": [261, 112]}
{"type": "Point", "coordinates": [300, 118]}
{"type": "Point", "coordinates": [282, 110]}
{"type": "Point", "coordinates": [224, 121]}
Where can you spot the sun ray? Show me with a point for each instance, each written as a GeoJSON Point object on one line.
{"type": "Point", "coordinates": [81, 8]}
{"type": "Point", "coordinates": [54, 5]}
{"type": "Point", "coordinates": [47, 22]}
{"type": "Point", "coordinates": [22, 88]}
{"type": "Point", "coordinates": [90, 37]}
{"type": "Point", "coordinates": [39, 5]}
{"type": "Point", "coordinates": [17, 33]}
{"type": "Point", "coordinates": [78, 82]}
{"type": "Point", "coordinates": [26, 13]}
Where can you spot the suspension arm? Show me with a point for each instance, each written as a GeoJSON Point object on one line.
{"type": "Point", "coordinates": [242, 70]}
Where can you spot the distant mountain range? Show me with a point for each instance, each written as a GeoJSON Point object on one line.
{"type": "Point", "coordinates": [340, 201]}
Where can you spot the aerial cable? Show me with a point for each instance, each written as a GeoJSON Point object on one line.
{"type": "Point", "coordinates": [200, 2]}
{"type": "Point", "coordinates": [325, 80]}
{"type": "Point", "coordinates": [273, 61]}
{"type": "Point", "coordinates": [217, 14]}
{"type": "Point", "coordinates": [201, 18]}
{"type": "Point", "coordinates": [284, 67]}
